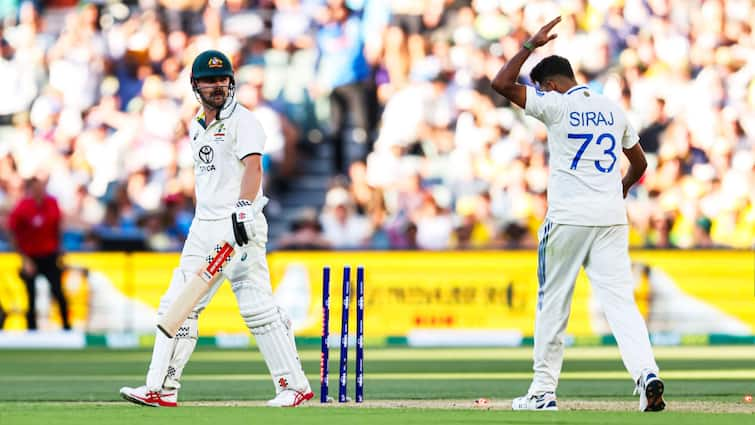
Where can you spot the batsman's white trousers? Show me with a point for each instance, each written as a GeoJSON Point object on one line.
{"type": "Point", "coordinates": [250, 282]}
{"type": "Point", "coordinates": [249, 263]}
{"type": "Point", "coordinates": [604, 252]}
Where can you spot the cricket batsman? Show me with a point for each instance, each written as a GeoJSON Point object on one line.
{"type": "Point", "coordinates": [227, 143]}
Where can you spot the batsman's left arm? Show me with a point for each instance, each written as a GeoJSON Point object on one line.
{"type": "Point", "coordinates": [248, 205]}
{"type": "Point", "coordinates": [252, 178]}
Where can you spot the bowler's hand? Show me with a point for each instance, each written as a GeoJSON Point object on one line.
{"type": "Point", "coordinates": [541, 37]}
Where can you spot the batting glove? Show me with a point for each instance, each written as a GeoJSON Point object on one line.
{"type": "Point", "coordinates": [243, 219]}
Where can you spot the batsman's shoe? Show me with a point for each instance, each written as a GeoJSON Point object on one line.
{"type": "Point", "coordinates": [544, 401]}
{"type": "Point", "coordinates": [650, 387]}
{"type": "Point", "coordinates": [140, 395]}
{"type": "Point", "coordinates": [290, 398]}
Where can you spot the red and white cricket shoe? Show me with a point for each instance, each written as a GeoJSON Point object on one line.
{"type": "Point", "coordinates": [290, 398]}
{"type": "Point", "coordinates": [141, 396]}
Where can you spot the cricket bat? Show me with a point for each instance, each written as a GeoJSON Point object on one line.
{"type": "Point", "coordinates": [195, 289]}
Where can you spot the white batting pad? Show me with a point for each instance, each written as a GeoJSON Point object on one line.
{"type": "Point", "coordinates": [186, 341]}
{"type": "Point", "coordinates": [272, 330]}
{"type": "Point", "coordinates": [158, 367]}
{"type": "Point", "coordinates": [275, 343]}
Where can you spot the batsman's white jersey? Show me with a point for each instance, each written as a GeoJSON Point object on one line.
{"type": "Point", "coordinates": [586, 132]}
{"type": "Point", "coordinates": [218, 151]}
{"type": "Point", "coordinates": [586, 225]}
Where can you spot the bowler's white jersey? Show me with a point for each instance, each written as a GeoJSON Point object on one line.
{"type": "Point", "coordinates": [586, 134]}
{"type": "Point", "coordinates": [218, 151]}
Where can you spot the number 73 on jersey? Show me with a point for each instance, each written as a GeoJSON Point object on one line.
{"type": "Point", "coordinates": [587, 138]}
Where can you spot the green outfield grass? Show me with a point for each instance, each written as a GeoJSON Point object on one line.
{"type": "Point", "coordinates": [106, 414]}
{"type": "Point", "coordinates": [434, 386]}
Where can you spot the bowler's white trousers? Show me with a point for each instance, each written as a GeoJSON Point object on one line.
{"type": "Point", "coordinates": [604, 253]}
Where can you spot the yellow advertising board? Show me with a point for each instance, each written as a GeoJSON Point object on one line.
{"type": "Point", "coordinates": [112, 292]}
{"type": "Point", "coordinates": [687, 292]}
{"type": "Point", "coordinates": [412, 290]}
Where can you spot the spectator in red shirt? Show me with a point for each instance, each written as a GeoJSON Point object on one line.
{"type": "Point", "coordinates": [35, 225]}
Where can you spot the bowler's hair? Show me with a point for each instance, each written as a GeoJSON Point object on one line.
{"type": "Point", "coordinates": [551, 67]}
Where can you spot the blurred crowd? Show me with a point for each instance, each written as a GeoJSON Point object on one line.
{"type": "Point", "coordinates": [96, 100]}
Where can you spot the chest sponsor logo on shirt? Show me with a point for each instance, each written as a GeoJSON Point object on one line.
{"type": "Point", "coordinates": [206, 155]}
